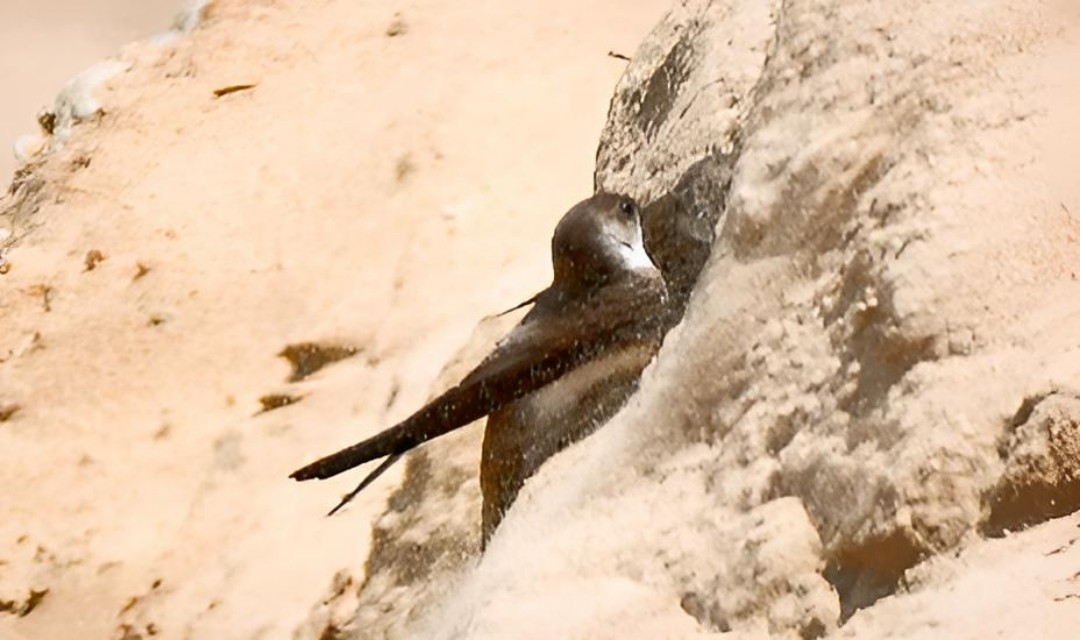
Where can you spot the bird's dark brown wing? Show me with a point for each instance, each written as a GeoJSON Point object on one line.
{"type": "Point", "coordinates": [551, 341]}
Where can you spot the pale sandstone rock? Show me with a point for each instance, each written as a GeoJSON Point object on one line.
{"type": "Point", "coordinates": [895, 273]}
{"type": "Point", "coordinates": [138, 459]}
{"type": "Point", "coordinates": [877, 368]}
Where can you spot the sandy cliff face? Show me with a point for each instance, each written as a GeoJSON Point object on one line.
{"type": "Point", "coordinates": [877, 380]}
{"type": "Point", "coordinates": [392, 178]}
{"type": "Point", "coordinates": [881, 363]}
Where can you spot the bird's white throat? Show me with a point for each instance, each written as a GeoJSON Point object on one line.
{"type": "Point", "coordinates": [633, 255]}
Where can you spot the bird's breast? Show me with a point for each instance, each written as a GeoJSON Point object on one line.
{"type": "Point", "coordinates": [521, 436]}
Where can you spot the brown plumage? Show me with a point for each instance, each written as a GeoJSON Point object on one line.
{"type": "Point", "coordinates": [571, 362]}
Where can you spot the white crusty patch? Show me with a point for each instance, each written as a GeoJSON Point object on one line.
{"type": "Point", "coordinates": [28, 146]}
{"type": "Point", "coordinates": [184, 22]}
{"type": "Point", "coordinates": [78, 100]}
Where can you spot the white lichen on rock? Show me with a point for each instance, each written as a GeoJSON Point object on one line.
{"type": "Point", "coordinates": [78, 100]}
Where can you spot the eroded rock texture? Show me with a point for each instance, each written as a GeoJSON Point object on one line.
{"type": "Point", "coordinates": [893, 272]}
{"type": "Point", "coordinates": [1042, 464]}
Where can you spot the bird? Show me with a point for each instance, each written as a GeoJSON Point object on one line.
{"type": "Point", "coordinates": [568, 366]}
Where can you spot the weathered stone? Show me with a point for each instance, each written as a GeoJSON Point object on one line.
{"type": "Point", "coordinates": [864, 324]}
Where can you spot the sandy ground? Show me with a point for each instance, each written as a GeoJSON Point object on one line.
{"type": "Point", "coordinates": [154, 496]}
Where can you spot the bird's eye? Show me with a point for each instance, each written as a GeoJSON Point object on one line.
{"type": "Point", "coordinates": [627, 206]}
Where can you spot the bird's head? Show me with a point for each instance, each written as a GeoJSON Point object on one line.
{"type": "Point", "coordinates": [600, 240]}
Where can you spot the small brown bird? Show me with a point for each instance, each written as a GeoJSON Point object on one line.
{"type": "Point", "coordinates": [562, 372]}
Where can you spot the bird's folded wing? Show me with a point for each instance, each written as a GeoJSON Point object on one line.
{"type": "Point", "coordinates": [536, 353]}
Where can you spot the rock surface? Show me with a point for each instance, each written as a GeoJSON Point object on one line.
{"type": "Point", "coordinates": [375, 194]}
{"type": "Point", "coordinates": [859, 429]}
{"type": "Point", "coordinates": [881, 359]}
